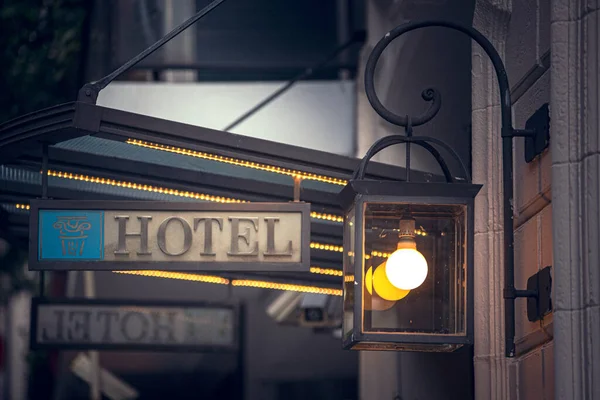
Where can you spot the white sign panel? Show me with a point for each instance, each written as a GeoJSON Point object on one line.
{"type": "Point", "coordinates": [96, 325]}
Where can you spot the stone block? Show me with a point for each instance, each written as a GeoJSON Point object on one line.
{"type": "Point", "coordinates": [564, 128]}
{"type": "Point", "coordinates": [548, 372]}
{"type": "Point", "coordinates": [590, 254]}
{"type": "Point", "coordinates": [546, 248]}
{"type": "Point", "coordinates": [513, 379]}
{"type": "Point", "coordinates": [531, 376]}
{"type": "Point", "coordinates": [567, 239]}
{"type": "Point", "coordinates": [481, 69]}
{"type": "Point", "coordinates": [531, 179]}
{"type": "Point", "coordinates": [591, 134]}
{"type": "Point", "coordinates": [592, 315]}
{"type": "Point", "coordinates": [565, 11]}
{"type": "Point", "coordinates": [571, 356]}
{"type": "Point", "coordinates": [521, 43]}
{"type": "Point", "coordinates": [526, 264]}
{"type": "Point", "coordinates": [543, 27]}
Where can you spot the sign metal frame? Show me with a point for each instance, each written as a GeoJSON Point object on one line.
{"type": "Point", "coordinates": [36, 302]}
{"type": "Point", "coordinates": [35, 264]}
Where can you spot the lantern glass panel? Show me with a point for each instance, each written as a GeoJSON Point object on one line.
{"type": "Point", "coordinates": [438, 305]}
{"type": "Point", "coordinates": [348, 269]}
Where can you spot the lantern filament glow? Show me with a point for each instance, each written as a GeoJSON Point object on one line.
{"type": "Point", "coordinates": [406, 267]}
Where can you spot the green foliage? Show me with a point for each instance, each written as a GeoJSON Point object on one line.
{"type": "Point", "coordinates": [40, 53]}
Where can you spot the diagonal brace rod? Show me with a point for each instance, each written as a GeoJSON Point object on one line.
{"type": "Point", "coordinates": [89, 92]}
{"type": "Point", "coordinates": [304, 74]}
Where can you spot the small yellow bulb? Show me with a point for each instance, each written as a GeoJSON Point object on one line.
{"type": "Point", "coordinates": [384, 288]}
{"type": "Point", "coordinates": [369, 280]}
{"type": "Point", "coordinates": [372, 301]}
{"type": "Point", "coordinates": [378, 282]}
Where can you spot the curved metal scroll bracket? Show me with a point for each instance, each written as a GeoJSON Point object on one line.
{"type": "Point", "coordinates": [432, 94]}
{"type": "Point", "coordinates": [507, 134]}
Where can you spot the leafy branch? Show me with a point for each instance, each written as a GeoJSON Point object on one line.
{"type": "Point", "coordinates": [40, 53]}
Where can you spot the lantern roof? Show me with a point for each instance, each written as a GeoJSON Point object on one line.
{"type": "Point", "coordinates": [401, 189]}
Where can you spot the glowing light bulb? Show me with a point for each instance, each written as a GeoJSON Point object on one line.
{"type": "Point", "coordinates": [384, 288]}
{"type": "Point", "coordinates": [372, 301]}
{"type": "Point", "coordinates": [406, 268]}
{"type": "Point", "coordinates": [369, 280]}
{"type": "Point", "coordinates": [379, 282]}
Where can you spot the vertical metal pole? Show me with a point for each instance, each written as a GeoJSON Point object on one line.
{"type": "Point", "coordinates": [509, 256]}
{"type": "Point", "coordinates": [45, 171]}
{"type": "Point", "coordinates": [61, 386]}
{"type": "Point", "coordinates": [409, 132]}
{"type": "Point", "coordinates": [90, 292]}
{"type": "Point", "coordinates": [297, 184]}
{"type": "Point", "coordinates": [344, 34]}
{"type": "Point", "coordinates": [44, 196]}
{"type": "Point", "coordinates": [241, 370]}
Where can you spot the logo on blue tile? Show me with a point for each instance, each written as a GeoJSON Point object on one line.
{"type": "Point", "coordinates": [71, 235]}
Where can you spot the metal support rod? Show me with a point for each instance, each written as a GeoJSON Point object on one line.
{"type": "Point", "coordinates": [304, 74]}
{"type": "Point", "coordinates": [297, 187]}
{"type": "Point", "coordinates": [524, 133]}
{"type": "Point", "coordinates": [45, 171]}
{"type": "Point", "coordinates": [507, 134]}
{"type": "Point", "coordinates": [525, 293]}
{"type": "Point", "coordinates": [44, 196]}
{"type": "Point", "coordinates": [89, 289]}
{"type": "Point", "coordinates": [42, 284]}
{"type": "Point", "coordinates": [89, 92]}
{"type": "Point", "coordinates": [409, 133]}
{"type": "Point", "coordinates": [241, 356]}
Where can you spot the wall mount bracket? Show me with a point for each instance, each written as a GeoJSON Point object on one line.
{"type": "Point", "coordinates": [539, 123]}
{"type": "Point", "coordinates": [538, 294]}
{"type": "Point", "coordinates": [541, 283]}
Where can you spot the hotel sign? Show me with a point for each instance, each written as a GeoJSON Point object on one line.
{"type": "Point", "coordinates": [137, 235]}
{"type": "Point", "coordinates": [87, 324]}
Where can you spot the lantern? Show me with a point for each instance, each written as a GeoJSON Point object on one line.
{"type": "Point", "coordinates": [408, 265]}
{"type": "Point", "coordinates": [408, 247]}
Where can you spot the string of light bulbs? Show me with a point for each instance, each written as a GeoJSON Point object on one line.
{"type": "Point", "coordinates": [237, 162]}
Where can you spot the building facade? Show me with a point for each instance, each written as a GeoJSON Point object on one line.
{"type": "Point", "coordinates": [550, 48]}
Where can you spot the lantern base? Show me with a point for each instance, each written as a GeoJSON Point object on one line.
{"type": "Point", "coordinates": [412, 347]}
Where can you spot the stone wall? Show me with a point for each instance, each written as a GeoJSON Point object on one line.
{"type": "Point", "coordinates": [551, 49]}
{"type": "Point", "coordinates": [520, 30]}
{"type": "Point", "coordinates": [528, 61]}
{"type": "Point", "coordinates": [575, 146]}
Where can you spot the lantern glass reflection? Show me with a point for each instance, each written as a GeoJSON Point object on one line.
{"type": "Point", "coordinates": [348, 269]}
{"type": "Point", "coordinates": [438, 304]}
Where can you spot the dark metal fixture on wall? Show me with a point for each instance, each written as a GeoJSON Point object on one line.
{"type": "Point", "coordinates": [404, 303]}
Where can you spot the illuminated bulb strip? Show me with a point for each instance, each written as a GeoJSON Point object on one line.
{"type": "Point", "coordinates": [326, 271]}
{"type": "Point", "coordinates": [326, 247]}
{"type": "Point", "coordinates": [139, 186]}
{"type": "Point", "coordinates": [173, 192]}
{"type": "Point", "coordinates": [380, 254]}
{"type": "Point", "coordinates": [22, 206]}
{"type": "Point", "coordinates": [328, 217]}
{"type": "Point", "coordinates": [349, 278]}
{"type": "Point", "coordinates": [179, 276]}
{"type": "Point", "coordinates": [237, 162]}
{"type": "Point", "coordinates": [286, 286]}
{"type": "Point", "coordinates": [235, 282]}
